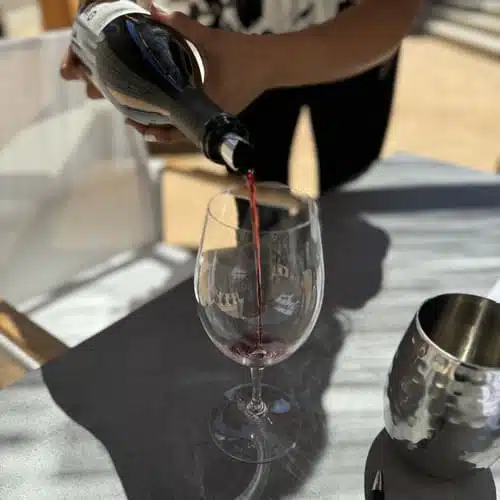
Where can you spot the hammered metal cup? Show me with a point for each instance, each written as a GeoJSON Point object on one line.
{"type": "Point", "coordinates": [442, 397]}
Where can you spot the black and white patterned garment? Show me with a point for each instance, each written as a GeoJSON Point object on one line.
{"type": "Point", "coordinates": [258, 16]}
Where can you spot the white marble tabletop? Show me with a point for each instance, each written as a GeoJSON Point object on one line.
{"type": "Point", "coordinates": [124, 414]}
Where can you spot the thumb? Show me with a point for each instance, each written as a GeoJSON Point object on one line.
{"type": "Point", "coordinates": [190, 29]}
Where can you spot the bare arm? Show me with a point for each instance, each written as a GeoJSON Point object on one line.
{"type": "Point", "coordinates": [354, 41]}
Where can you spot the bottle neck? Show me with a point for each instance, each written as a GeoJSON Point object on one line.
{"type": "Point", "coordinates": [228, 149]}
{"type": "Point", "coordinates": [226, 141]}
{"type": "Point", "coordinates": [236, 153]}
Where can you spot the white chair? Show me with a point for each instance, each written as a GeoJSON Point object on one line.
{"type": "Point", "coordinates": [80, 205]}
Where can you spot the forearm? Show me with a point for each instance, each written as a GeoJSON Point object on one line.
{"type": "Point", "coordinates": [357, 39]}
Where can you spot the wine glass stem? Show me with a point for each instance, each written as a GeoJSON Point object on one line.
{"type": "Point", "coordinates": [256, 406]}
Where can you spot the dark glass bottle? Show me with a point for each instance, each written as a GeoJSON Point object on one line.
{"type": "Point", "coordinates": [155, 77]}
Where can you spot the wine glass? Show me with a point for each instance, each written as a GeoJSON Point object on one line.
{"type": "Point", "coordinates": [259, 326]}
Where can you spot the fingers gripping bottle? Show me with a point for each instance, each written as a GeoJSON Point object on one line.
{"type": "Point", "coordinates": [155, 76]}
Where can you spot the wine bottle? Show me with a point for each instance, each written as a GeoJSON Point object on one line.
{"type": "Point", "coordinates": [155, 76]}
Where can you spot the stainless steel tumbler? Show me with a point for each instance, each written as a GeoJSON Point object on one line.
{"type": "Point", "coordinates": [442, 397]}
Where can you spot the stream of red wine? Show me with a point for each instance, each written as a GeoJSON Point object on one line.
{"type": "Point", "coordinates": [257, 349]}
{"type": "Point", "coordinates": [252, 189]}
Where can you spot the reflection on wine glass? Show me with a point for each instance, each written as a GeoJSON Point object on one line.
{"type": "Point", "coordinates": [259, 326]}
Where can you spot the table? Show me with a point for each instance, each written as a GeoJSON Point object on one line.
{"type": "Point", "coordinates": [124, 415]}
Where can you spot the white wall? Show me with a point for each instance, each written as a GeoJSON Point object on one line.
{"type": "Point", "coordinates": [21, 17]}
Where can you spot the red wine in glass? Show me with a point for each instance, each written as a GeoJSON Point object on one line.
{"type": "Point", "coordinates": [257, 348]}
{"type": "Point", "coordinates": [252, 189]}
{"type": "Point", "coordinates": [259, 325]}
{"type": "Point", "coordinates": [258, 294]}
{"type": "Point", "coordinates": [262, 351]}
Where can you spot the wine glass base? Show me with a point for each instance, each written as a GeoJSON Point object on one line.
{"type": "Point", "coordinates": [248, 438]}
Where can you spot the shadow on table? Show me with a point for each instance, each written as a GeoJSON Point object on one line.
{"type": "Point", "coordinates": [145, 386]}
{"type": "Point", "coordinates": [421, 198]}
{"type": "Point", "coordinates": [405, 483]}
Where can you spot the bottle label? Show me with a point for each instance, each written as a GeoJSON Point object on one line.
{"type": "Point", "coordinates": [91, 21]}
{"type": "Point", "coordinates": [96, 17]}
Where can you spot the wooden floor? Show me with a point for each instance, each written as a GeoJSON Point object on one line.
{"type": "Point", "coordinates": [447, 104]}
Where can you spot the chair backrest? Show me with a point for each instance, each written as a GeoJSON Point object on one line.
{"type": "Point", "coordinates": [74, 182]}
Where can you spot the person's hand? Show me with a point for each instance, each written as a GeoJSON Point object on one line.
{"type": "Point", "coordinates": [235, 68]}
{"type": "Point", "coordinates": [236, 72]}
{"type": "Point", "coordinates": [72, 69]}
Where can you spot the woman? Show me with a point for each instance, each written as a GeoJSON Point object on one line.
{"type": "Point", "coordinates": [265, 59]}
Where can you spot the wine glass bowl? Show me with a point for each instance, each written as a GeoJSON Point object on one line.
{"type": "Point", "coordinates": [259, 326]}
